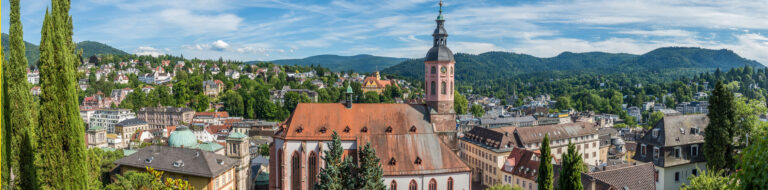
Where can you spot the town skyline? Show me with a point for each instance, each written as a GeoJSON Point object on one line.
{"type": "Point", "coordinates": [270, 30]}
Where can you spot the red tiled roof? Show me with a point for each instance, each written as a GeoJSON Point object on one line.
{"type": "Point", "coordinates": [386, 126]}
{"type": "Point", "coordinates": [523, 164]}
{"type": "Point", "coordinates": [216, 129]}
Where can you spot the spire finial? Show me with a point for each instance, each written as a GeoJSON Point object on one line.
{"type": "Point", "coordinates": [441, 6]}
{"type": "Point", "coordinates": [440, 16]}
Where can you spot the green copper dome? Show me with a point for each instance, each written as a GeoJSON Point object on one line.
{"type": "Point", "coordinates": [182, 137]}
{"type": "Point", "coordinates": [349, 89]}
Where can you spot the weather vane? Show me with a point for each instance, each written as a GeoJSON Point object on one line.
{"type": "Point", "coordinates": [441, 6]}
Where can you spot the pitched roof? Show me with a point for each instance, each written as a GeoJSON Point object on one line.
{"type": "Point", "coordinates": [522, 163]}
{"type": "Point", "coordinates": [496, 139]}
{"type": "Point", "coordinates": [676, 130]}
{"type": "Point", "coordinates": [504, 120]}
{"type": "Point", "coordinates": [195, 162]}
{"type": "Point", "coordinates": [640, 176]}
{"type": "Point", "coordinates": [131, 122]}
{"type": "Point", "coordinates": [435, 156]}
{"type": "Point", "coordinates": [399, 131]}
{"type": "Point", "coordinates": [536, 134]}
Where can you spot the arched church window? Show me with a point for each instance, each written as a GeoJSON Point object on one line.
{"type": "Point", "coordinates": [451, 70]}
{"type": "Point", "coordinates": [452, 88]}
{"type": "Point", "coordinates": [433, 88]}
{"type": "Point", "coordinates": [433, 70]}
{"type": "Point", "coordinates": [295, 171]}
{"type": "Point", "coordinates": [412, 185]}
{"type": "Point", "coordinates": [442, 88]}
{"type": "Point", "coordinates": [312, 170]}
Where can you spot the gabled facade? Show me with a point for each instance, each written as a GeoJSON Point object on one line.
{"type": "Point", "coordinates": [674, 146]}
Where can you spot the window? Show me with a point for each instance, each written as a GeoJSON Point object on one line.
{"type": "Point", "coordinates": [280, 165]}
{"type": "Point", "coordinates": [594, 154]}
{"type": "Point", "coordinates": [655, 133]}
{"type": "Point", "coordinates": [432, 184]}
{"type": "Point", "coordinates": [642, 150]}
{"type": "Point", "coordinates": [393, 185]}
{"type": "Point", "coordinates": [655, 153]}
{"type": "Point", "coordinates": [677, 176]}
{"type": "Point", "coordinates": [694, 150]}
{"type": "Point", "coordinates": [451, 70]}
{"type": "Point", "coordinates": [694, 131]}
{"type": "Point", "coordinates": [433, 70]}
{"type": "Point", "coordinates": [432, 85]}
{"type": "Point", "coordinates": [656, 175]}
{"type": "Point", "coordinates": [413, 186]}
{"type": "Point", "coordinates": [451, 87]}
{"type": "Point", "coordinates": [295, 171]}
{"type": "Point", "coordinates": [677, 152]}
{"type": "Point", "coordinates": [695, 172]}
{"type": "Point", "coordinates": [312, 170]}
{"type": "Point", "coordinates": [442, 88]}
{"type": "Point", "coordinates": [449, 186]}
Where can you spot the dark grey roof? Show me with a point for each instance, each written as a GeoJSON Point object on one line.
{"type": "Point", "coordinates": [507, 120]}
{"type": "Point", "coordinates": [131, 122]}
{"type": "Point", "coordinates": [676, 130]}
{"type": "Point", "coordinates": [640, 176]}
{"type": "Point", "coordinates": [439, 53]}
{"type": "Point", "coordinates": [497, 139]}
{"type": "Point", "coordinates": [165, 109]}
{"type": "Point", "coordinates": [195, 162]}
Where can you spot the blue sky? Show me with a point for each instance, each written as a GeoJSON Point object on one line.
{"type": "Point", "coordinates": [279, 29]}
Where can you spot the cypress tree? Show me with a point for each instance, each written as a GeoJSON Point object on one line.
{"type": "Point", "coordinates": [330, 177]}
{"type": "Point", "coordinates": [570, 173]}
{"type": "Point", "coordinates": [18, 101]}
{"type": "Point", "coordinates": [3, 140]}
{"type": "Point", "coordinates": [545, 177]}
{"type": "Point", "coordinates": [63, 156]}
{"type": "Point", "coordinates": [370, 172]}
{"type": "Point", "coordinates": [718, 137]}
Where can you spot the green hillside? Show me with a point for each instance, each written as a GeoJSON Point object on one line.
{"type": "Point", "coordinates": [357, 63]}
{"type": "Point", "coordinates": [89, 48]}
{"type": "Point", "coordinates": [669, 61]}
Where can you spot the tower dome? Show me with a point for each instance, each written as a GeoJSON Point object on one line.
{"type": "Point", "coordinates": [182, 137]}
{"type": "Point", "coordinates": [440, 50]}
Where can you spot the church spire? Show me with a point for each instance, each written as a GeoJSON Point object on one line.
{"type": "Point", "coordinates": [440, 16]}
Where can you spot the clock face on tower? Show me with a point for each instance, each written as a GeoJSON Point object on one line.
{"type": "Point", "coordinates": [443, 70]}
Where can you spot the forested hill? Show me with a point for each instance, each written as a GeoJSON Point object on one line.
{"type": "Point", "coordinates": [357, 63]}
{"type": "Point", "coordinates": [668, 61]}
{"type": "Point", "coordinates": [90, 48]}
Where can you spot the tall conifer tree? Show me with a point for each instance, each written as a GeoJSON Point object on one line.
{"type": "Point", "coordinates": [370, 172]}
{"type": "Point", "coordinates": [546, 176]}
{"type": "Point", "coordinates": [63, 157]}
{"type": "Point", "coordinates": [570, 173]}
{"type": "Point", "coordinates": [18, 108]}
{"type": "Point", "coordinates": [718, 137]}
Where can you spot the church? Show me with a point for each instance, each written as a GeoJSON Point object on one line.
{"type": "Point", "coordinates": [416, 143]}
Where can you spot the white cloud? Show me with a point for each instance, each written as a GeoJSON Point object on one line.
{"type": "Point", "coordinates": [198, 24]}
{"type": "Point", "coordinates": [660, 33]}
{"type": "Point", "coordinates": [219, 45]}
{"type": "Point", "coordinates": [146, 50]}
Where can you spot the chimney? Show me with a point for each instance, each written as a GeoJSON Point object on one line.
{"type": "Point", "coordinates": [349, 93]}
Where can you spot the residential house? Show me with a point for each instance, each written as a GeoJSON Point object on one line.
{"type": "Point", "coordinates": [96, 137]}
{"type": "Point", "coordinates": [33, 76]}
{"type": "Point", "coordinates": [165, 116]}
{"type": "Point", "coordinates": [202, 169]}
{"type": "Point", "coordinates": [108, 118]}
{"type": "Point", "coordinates": [582, 134]}
{"type": "Point", "coordinates": [376, 84]}
{"type": "Point", "coordinates": [523, 121]}
{"type": "Point", "coordinates": [127, 129]}
{"type": "Point", "coordinates": [674, 147]}
{"type": "Point", "coordinates": [35, 91]}
{"type": "Point", "coordinates": [485, 151]}
{"type": "Point", "coordinates": [637, 176]}
{"type": "Point", "coordinates": [277, 96]}
{"type": "Point", "coordinates": [212, 88]}
{"type": "Point", "coordinates": [693, 107]}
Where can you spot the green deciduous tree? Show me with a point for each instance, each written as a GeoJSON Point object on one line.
{"type": "Point", "coordinates": [546, 176]}
{"type": "Point", "coordinates": [753, 173]}
{"type": "Point", "coordinates": [709, 180]}
{"type": "Point", "coordinates": [477, 110]}
{"type": "Point", "coordinates": [62, 148]}
{"type": "Point", "coordinates": [20, 127]}
{"type": "Point", "coordinates": [460, 103]}
{"type": "Point", "coordinates": [570, 172]}
{"type": "Point", "coordinates": [655, 117]}
{"type": "Point", "coordinates": [718, 137]}
{"type": "Point", "coordinates": [371, 97]}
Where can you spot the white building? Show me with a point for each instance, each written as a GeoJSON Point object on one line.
{"type": "Point", "coordinates": [582, 134]}
{"type": "Point", "coordinates": [107, 118]}
{"type": "Point", "coordinates": [674, 147]}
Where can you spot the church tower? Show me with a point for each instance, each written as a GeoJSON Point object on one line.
{"type": "Point", "coordinates": [438, 79]}
{"type": "Point", "coordinates": [438, 70]}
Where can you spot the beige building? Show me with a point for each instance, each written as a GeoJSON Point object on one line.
{"type": "Point", "coordinates": [485, 151]}
{"type": "Point", "coordinates": [126, 129]}
{"type": "Point", "coordinates": [164, 116]}
{"type": "Point", "coordinates": [582, 134]}
{"type": "Point", "coordinates": [203, 170]}
{"type": "Point", "coordinates": [96, 137]}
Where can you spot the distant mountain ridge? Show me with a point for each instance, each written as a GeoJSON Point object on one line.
{"type": "Point", "coordinates": [358, 63]}
{"type": "Point", "coordinates": [497, 65]}
{"type": "Point", "coordinates": [89, 48]}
